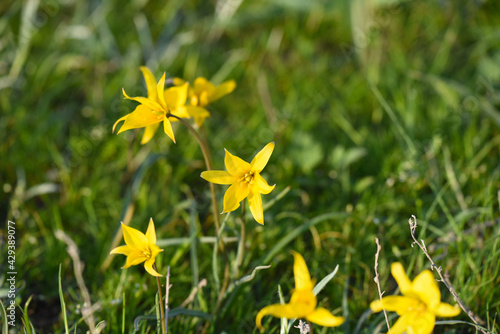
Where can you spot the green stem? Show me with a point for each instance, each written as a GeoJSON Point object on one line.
{"type": "Point", "coordinates": [208, 163]}
{"type": "Point", "coordinates": [241, 245]}
{"type": "Point", "coordinates": [162, 308]}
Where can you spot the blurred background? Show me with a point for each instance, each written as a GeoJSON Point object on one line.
{"type": "Point", "coordinates": [379, 110]}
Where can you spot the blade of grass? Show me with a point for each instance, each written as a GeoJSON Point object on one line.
{"type": "Point", "coordinates": [26, 30]}
{"type": "Point", "coordinates": [283, 328]}
{"type": "Point", "coordinates": [5, 325]}
{"type": "Point", "coordinates": [215, 265]}
{"type": "Point", "coordinates": [317, 289]}
{"type": "Point", "coordinates": [63, 304]}
{"type": "Point", "coordinates": [28, 326]}
{"type": "Point", "coordinates": [454, 322]}
{"type": "Point", "coordinates": [123, 312]}
{"type": "Point", "coordinates": [394, 119]}
{"type": "Point", "coordinates": [298, 231]}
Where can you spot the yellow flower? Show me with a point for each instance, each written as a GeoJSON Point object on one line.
{"type": "Point", "coordinates": [245, 181]}
{"type": "Point", "coordinates": [203, 93]}
{"type": "Point", "coordinates": [303, 302]}
{"type": "Point", "coordinates": [419, 305]}
{"type": "Point", "coordinates": [139, 247]}
{"type": "Point", "coordinates": [157, 107]}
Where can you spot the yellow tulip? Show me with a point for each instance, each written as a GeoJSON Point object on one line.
{"type": "Point", "coordinates": [157, 107]}
{"type": "Point", "coordinates": [303, 301]}
{"type": "Point", "coordinates": [245, 181]}
{"type": "Point", "coordinates": [139, 247]}
{"type": "Point", "coordinates": [418, 306]}
{"type": "Point", "coordinates": [202, 93]}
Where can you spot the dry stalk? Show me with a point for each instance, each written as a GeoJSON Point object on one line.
{"type": "Point", "coordinates": [377, 280]}
{"type": "Point", "coordinates": [167, 290]}
{"type": "Point", "coordinates": [193, 293]}
{"type": "Point", "coordinates": [413, 227]}
{"type": "Point", "coordinates": [88, 309]}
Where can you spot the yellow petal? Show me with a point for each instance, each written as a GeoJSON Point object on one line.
{"type": "Point", "coordinates": [155, 250]}
{"type": "Point", "coordinates": [134, 259]}
{"type": "Point", "coordinates": [203, 90]}
{"type": "Point", "coordinates": [119, 120]}
{"type": "Point", "coordinates": [198, 113]}
{"type": "Point", "coordinates": [236, 166]}
{"type": "Point", "coordinates": [160, 87]}
{"type": "Point", "coordinates": [301, 273]}
{"type": "Point", "coordinates": [179, 81]}
{"type": "Point", "coordinates": [180, 112]}
{"type": "Point", "coordinates": [148, 265]}
{"type": "Point", "coordinates": [183, 92]}
{"type": "Point", "coordinates": [425, 286]}
{"type": "Point", "coordinates": [149, 132]}
{"type": "Point", "coordinates": [401, 325]}
{"type": "Point", "coordinates": [175, 97]}
{"type": "Point", "coordinates": [260, 185]}
{"type": "Point", "coordinates": [255, 204]}
{"type": "Point", "coordinates": [323, 317]}
{"type": "Point", "coordinates": [399, 274]}
{"type": "Point", "coordinates": [171, 96]}
{"type": "Point", "coordinates": [133, 237]}
{"type": "Point", "coordinates": [400, 304]}
{"type": "Point", "coordinates": [233, 196]}
{"type": "Point", "coordinates": [420, 323]}
{"type": "Point", "coordinates": [260, 160]}
{"type": "Point", "coordinates": [203, 85]}
{"type": "Point", "coordinates": [193, 100]}
{"type": "Point", "coordinates": [218, 177]}
{"type": "Point", "coordinates": [223, 89]}
{"type": "Point", "coordinates": [126, 250]}
{"type": "Point", "coordinates": [280, 311]}
{"type": "Point", "coordinates": [306, 299]}
{"type": "Point", "coordinates": [151, 104]}
{"type": "Point", "coordinates": [446, 310]}
{"type": "Point", "coordinates": [167, 128]}
{"type": "Point", "coordinates": [151, 233]}
{"type": "Point", "coordinates": [203, 100]}
{"type": "Point", "coordinates": [199, 83]}
{"type": "Point", "coordinates": [150, 83]}
{"type": "Point", "coordinates": [141, 117]}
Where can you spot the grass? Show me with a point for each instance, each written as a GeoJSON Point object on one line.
{"type": "Point", "coordinates": [378, 112]}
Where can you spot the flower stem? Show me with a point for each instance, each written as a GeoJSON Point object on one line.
{"type": "Point", "coordinates": [208, 163]}
{"type": "Point", "coordinates": [241, 245]}
{"type": "Point", "coordinates": [162, 308]}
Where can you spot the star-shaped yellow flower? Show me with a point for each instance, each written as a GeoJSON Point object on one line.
{"type": "Point", "coordinates": [418, 306]}
{"type": "Point", "coordinates": [157, 107]}
{"type": "Point", "coordinates": [203, 92]}
{"type": "Point", "coordinates": [303, 302]}
{"type": "Point", "coordinates": [139, 247]}
{"type": "Point", "coordinates": [245, 181]}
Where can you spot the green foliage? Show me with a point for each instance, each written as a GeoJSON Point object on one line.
{"type": "Point", "coordinates": [379, 110]}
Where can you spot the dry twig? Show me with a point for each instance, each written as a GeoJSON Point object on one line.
{"type": "Point", "coordinates": [88, 309]}
{"type": "Point", "coordinates": [413, 227]}
{"type": "Point", "coordinates": [377, 280]}
{"type": "Point", "coordinates": [167, 290]}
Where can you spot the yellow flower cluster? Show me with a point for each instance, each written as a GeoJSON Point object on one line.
{"type": "Point", "coordinates": [420, 302]}
{"type": "Point", "coordinates": [168, 105]}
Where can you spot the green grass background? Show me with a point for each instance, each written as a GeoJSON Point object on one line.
{"type": "Point", "coordinates": [379, 110]}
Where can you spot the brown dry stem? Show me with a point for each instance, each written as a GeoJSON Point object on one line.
{"type": "Point", "coordinates": [377, 280]}
{"type": "Point", "coordinates": [413, 227]}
